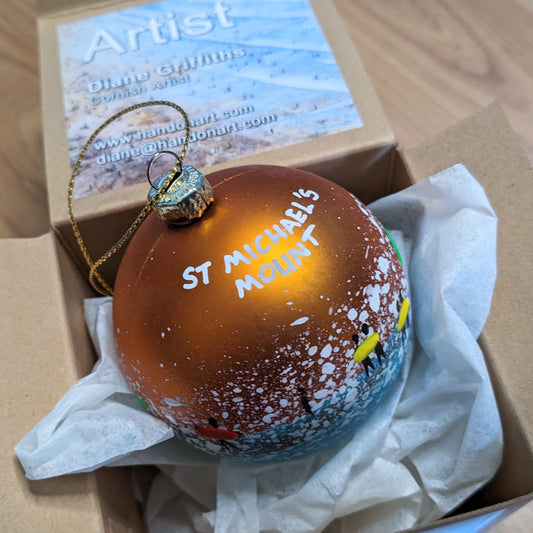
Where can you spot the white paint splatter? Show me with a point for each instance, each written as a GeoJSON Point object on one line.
{"type": "Point", "coordinates": [383, 264]}
{"type": "Point", "coordinates": [328, 368]}
{"type": "Point", "coordinates": [372, 293]}
{"type": "Point", "coordinates": [352, 314]}
{"type": "Point", "coordinates": [174, 402]}
{"type": "Point", "coordinates": [300, 321]}
{"type": "Point", "coordinates": [326, 351]}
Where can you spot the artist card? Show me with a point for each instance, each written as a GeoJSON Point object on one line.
{"type": "Point", "coordinates": [252, 76]}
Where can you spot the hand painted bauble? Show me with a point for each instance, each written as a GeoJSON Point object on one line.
{"type": "Point", "coordinates": [270, 327]}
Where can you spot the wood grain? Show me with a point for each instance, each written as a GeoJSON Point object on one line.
{"type": "Point", "coordinates": [433, 62]}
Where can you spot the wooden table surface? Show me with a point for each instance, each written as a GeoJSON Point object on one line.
{"type": "Point", "coordinates": [433, 62]}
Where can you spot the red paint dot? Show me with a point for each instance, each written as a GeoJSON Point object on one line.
{"type": "Point", "coordinates": [216, 433]}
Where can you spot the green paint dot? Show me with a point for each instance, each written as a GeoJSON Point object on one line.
{"type": "Point", "coordinates": [394, 246]}
{"type": "Point", "coordinates": [142, 402]}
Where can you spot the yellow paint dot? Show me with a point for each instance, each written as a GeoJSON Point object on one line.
{"type": "Point", "coordinates": [403, 314]}
{"type": "Point", "coordinates": [366, 348]}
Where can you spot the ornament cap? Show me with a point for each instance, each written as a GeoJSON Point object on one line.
{"type": "Point", "coordinates": [186, 199]}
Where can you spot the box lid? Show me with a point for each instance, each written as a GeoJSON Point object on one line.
{"type": "Point", "coordinates": [49, 7]}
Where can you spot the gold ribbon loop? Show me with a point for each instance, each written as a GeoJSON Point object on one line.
{"type": "Point", "coordinates": [96, 280]}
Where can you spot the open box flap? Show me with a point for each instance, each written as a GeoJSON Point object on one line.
{"type": "Point", "coordinates": [486, 144]}
{"type": "Point", "coordinates": [35, 342]}
{"type": "Point", "coordinates": [40, 363]}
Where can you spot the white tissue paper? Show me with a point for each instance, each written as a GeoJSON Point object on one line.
{"type": "Point", "coordinates": [434, 441]}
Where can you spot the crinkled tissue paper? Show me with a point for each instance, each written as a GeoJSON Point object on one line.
{"type": "Point", "coordinates": [433, 442]}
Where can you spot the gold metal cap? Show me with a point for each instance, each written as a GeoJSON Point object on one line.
{"type": "Point", "coordinates": [187, 198]}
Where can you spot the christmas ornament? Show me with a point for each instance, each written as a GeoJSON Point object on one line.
{"type": "Point", "coordinates": [270, 326]}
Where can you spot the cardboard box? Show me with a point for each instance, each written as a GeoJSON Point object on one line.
{"type": "Point", "coordinates": [368, 147]}
{"type": "Point", "coordinates": [47, 347]}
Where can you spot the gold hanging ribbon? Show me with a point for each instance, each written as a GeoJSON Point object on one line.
{"type": "Point", "coordinates": [95, 278]}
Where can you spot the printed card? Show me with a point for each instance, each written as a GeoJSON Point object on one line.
{"type": "Point", "coordinates": [251, 75]}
